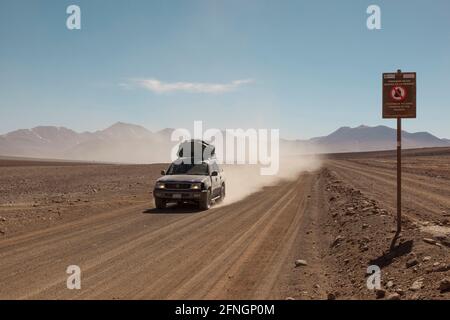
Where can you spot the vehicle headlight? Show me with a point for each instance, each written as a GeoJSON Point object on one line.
{"type": "Point", "coordinates": [160, 185]}
{"type": "Point", "coordinates": [196, 186]}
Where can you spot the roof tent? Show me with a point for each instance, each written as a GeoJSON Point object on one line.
{"type": "Point", "coordinates": [197, 149]}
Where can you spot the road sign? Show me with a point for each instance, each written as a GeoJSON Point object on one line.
{"type": "Point", "coordinates": [399, 95]}
{"type": "Point", "coordinates": [399, 101]}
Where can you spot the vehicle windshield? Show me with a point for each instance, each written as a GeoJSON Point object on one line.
{"type": "Point", "coordinates": [189, 169]}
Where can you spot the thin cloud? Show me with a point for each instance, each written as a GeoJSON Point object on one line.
{"type": "Point", "coordinates": [158, 86]}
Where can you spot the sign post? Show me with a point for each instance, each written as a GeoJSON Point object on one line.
{"type": "Point", "coordinates": [399, 175]}
{"type": "Point", "coordinates": [399, 101]}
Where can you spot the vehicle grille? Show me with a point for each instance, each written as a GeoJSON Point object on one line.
{"type": "Point", "coordinates": [178, 186]}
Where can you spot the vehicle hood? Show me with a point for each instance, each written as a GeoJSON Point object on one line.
{"type": "Point", "coordinates": [183, 178]}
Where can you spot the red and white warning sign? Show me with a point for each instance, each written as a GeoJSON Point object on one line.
{"type": "Point", "coordinates": [398, 93]}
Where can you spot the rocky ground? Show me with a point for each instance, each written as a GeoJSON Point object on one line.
{"type": "Point", "coordinates": [416, 267]}
{"type": "Point", "coordinates": [36, 195]}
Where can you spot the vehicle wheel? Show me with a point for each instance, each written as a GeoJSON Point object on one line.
{"type": "Point", "coordinates": [160, 203]}
{"type": "Point", "coordinates": [222, 193]}
{"type": "Point", "coordinates": [205, 204]}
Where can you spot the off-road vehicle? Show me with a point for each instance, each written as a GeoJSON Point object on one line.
{"type": "Point", "coordinates": [191, 179]}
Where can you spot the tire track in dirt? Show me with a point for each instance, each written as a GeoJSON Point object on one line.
{"type": "Point", "coordinates": [413, 182]}
{"type": "Point", "coordinates": [421, 202]}
{"type": "Point", "coordinates": [116, 245]}
{"type": "Point", "coordinates": [241, 275]}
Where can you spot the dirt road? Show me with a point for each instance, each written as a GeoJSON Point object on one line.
{"type": "Point", "coordinates": [236, 251]}
{"type": "Point", "coordinates": [338, 218]}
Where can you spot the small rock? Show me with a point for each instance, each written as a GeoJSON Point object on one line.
{"type": "Point", "coordinates": [393, 296]}
{"type": "Point", "coordinates": [380, 293]}
{"type": "Point", "coordinates": [337, 241]}
{"type": "Point", "coordinates": [400, 291]}
{"type": "Point", "coordinates": [442, 267]}
{"type": "Point", "coordinates": [426, 258]}
{"type": "Point", "coordinates": [411, 262]}
{"type": "Point", "coordinates": [331, 296]}
{"type": "Point", "coordinates": [445, 240]}
{"type": "Point", "coordinates": [444, 285]}
{"type": "Point", "coordinates": [290, 298]}
{"type": "Point", "coordinates": [416, 296]}
{"type": "Point", "coordinates": [390, 284]}
{"type": "Point", "coordinates": [416, 286]}
{"type": "Point", "coordinates": [300, 263]}
{"type": "Point", "coordinates": [429, 241]}
{"type": "Point", "coordinates": [365, 226]}
{"type": "Point", "coordinates": [364, 248]}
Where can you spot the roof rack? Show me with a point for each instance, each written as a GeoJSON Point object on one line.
{"type": "Point", "coordinates": [197, 149]}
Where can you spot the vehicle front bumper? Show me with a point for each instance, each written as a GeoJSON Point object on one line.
{"type": "Point", "coordinates": [177, 195]}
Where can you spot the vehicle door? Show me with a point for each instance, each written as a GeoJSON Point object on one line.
{"type": "Point", "coordinates": [215, 181]}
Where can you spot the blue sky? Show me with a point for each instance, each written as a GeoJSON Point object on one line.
{"type": "Point", "coordinates": [306, 67]}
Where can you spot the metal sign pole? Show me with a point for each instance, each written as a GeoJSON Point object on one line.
{"type": "Point", "coordinates": [399, 101]}
{"type": "Point", "coordinates": [399, 175]}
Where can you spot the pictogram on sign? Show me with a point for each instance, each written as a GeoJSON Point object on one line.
{"type": "Point", "coordinates": [398, 93]}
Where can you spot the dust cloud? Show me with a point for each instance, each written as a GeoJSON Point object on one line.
{"type": "Point", "coordinates": [243, 180]}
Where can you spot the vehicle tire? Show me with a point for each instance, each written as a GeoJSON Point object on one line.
{"type": "Point", "coordinates": [160, 203]}
{"type": "Point", "coordinates": [205, 203]}
{"type": "Point", "coordinates": [222, 193]}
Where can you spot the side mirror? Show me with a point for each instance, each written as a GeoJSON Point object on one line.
{"type": "Point", "coordinates": [214, 174]}
{"type": "Point", "coordinates": [163, 172]}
